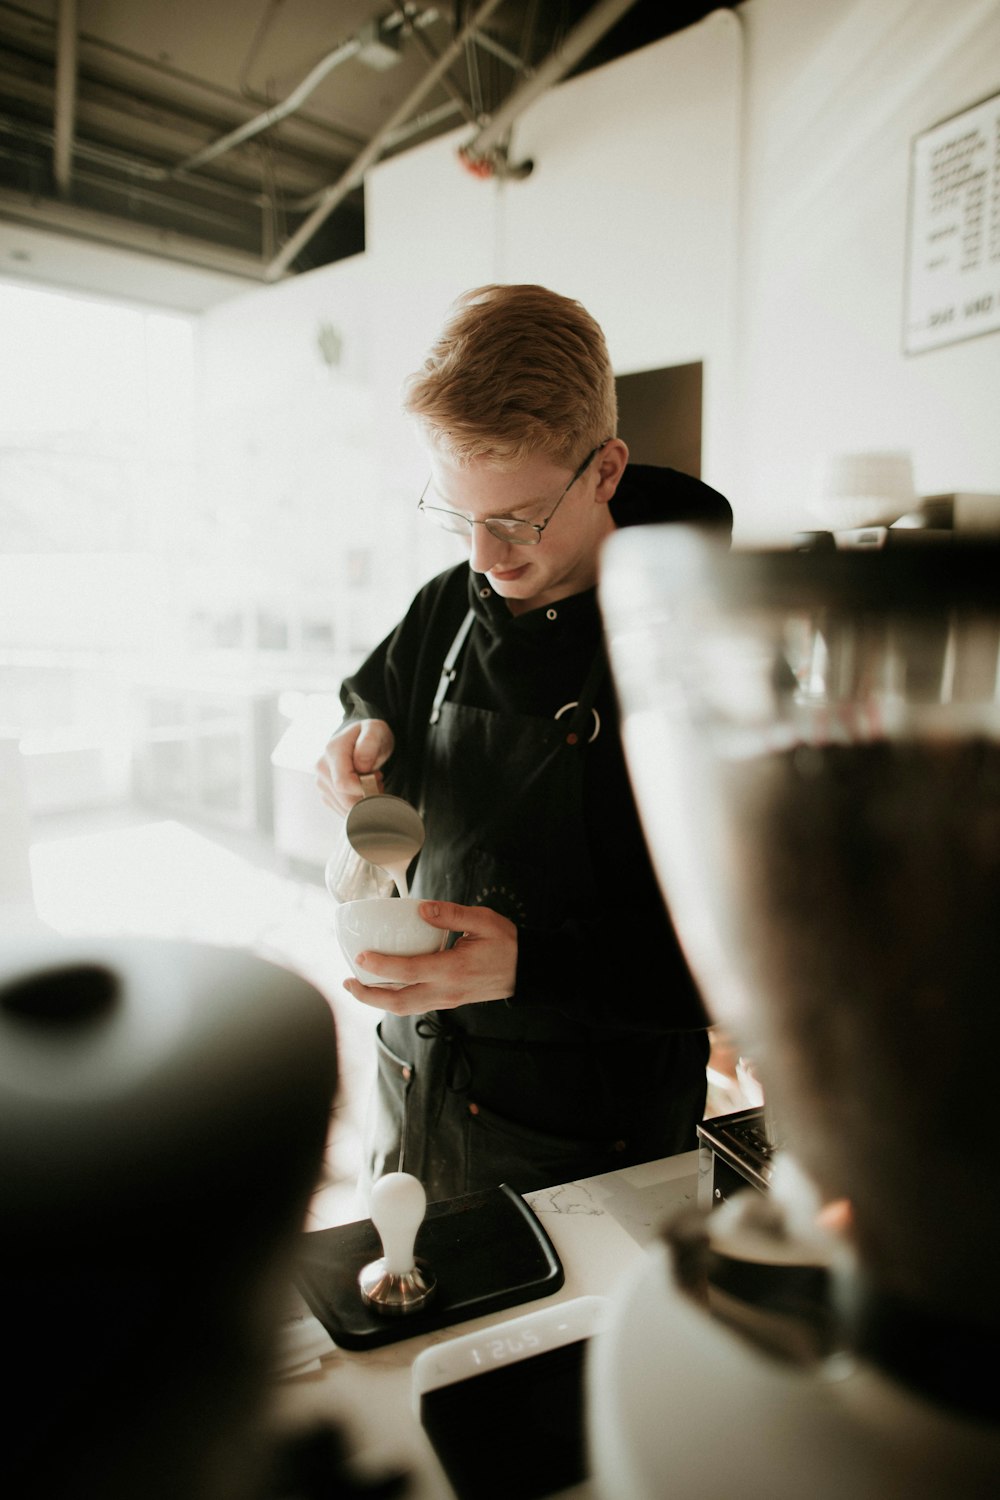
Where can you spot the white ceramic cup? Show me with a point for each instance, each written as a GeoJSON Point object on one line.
{"type": "Point", "coordinates": [384, 924]}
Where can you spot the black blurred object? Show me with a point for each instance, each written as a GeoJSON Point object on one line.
{"type": "Point", "coordinates": [934, 522]}
{"type": "Point", "coordinates": [747, 1266]}
{"type": "Point", "coordinates": [164, 1109]}
{"type": "Point", "coordinates": [868, 538]}
{"type": "Point", "coordinates": [314, 1465]}
{"type": "Point", "coordinates": [815, 541]}
{"type": "Point", "coordinates": [487, 1250]}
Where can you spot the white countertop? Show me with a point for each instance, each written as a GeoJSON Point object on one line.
{"type": "Point", "coordinates": [598, 1227]}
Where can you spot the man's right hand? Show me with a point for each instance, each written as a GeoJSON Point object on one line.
{"type": "Point", "coordinates": [358, 749]}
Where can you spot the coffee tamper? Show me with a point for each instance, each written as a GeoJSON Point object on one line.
{"type": "Point", "coordinates": [398, 1283]}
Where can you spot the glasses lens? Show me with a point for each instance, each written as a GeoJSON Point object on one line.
{"type": "Point", "coordinates": [521, 533]}
{"type": "Point", "coordinates": [448, 520]}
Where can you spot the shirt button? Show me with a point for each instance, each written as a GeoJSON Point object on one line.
{"type": "Point", "coordinates": [485, 593]}
{"type": "Point", "coordinates": [551, 614]}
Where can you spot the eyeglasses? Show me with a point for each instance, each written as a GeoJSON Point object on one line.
{"type": "Point", "coordinates": [504, 528]}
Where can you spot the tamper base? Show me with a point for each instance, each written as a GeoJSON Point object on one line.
{"type": "Point", "coordinates": [393, 1295]}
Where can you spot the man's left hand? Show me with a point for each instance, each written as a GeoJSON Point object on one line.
{"type": "Point", "coordinates": [482, 964]}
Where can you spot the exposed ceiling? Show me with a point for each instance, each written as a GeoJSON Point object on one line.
{"type": "Point", "coordinates": [233, 135]}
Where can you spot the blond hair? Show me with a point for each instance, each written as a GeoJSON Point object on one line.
{"type": "Point", "coordinates": [516, 371]}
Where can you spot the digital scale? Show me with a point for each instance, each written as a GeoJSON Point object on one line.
{"type": "Point", "coordinates": [504, 1409]}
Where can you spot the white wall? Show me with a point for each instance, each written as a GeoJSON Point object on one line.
{"type": "Point", "coordinates": [290, 453]}
{"type": "Point", "coordinates": [835, 94]}
{"type": "Point", "coordinates": [633, 205]}
{"type": "Point", "coordinates": [736, 193]}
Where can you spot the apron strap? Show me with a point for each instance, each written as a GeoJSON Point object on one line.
{"type": "Point", "coordinates": [580, 730]}
{"type": "Point", "coordinates": [448, 670]}
{"type": "Point", "coordinates": [583, 708]}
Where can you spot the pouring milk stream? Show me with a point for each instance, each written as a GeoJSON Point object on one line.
{"type": "Point", "coordinates": [381, 831]}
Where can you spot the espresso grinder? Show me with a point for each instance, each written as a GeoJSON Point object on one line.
{"type": "Point", "coordinates": [814, 740]}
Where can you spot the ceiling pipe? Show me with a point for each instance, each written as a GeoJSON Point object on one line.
{"type": "Point", "coordinates": [578, 43]}
{"type": "Point", "coordinates": [65, 96]}
{"type": "Point", "coordinates": [295, 100]}
{"type": "Point", "coordinates": [270, 117]}
{"type": "Point", "coordinates": [356, 171]}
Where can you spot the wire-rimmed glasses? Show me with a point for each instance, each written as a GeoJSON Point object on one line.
{"type": "Point", "coordinates": [504, 528]}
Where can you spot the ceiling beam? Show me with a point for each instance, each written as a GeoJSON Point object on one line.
{"type": "Point", "coordinates": [65, 97]}
{"type": "Point", "coordinates": [105, 229]}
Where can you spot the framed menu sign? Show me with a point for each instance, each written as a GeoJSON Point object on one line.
{"type": "Point", "coordinates": [953, 270]}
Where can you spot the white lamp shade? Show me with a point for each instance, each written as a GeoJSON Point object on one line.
{"type": "Point", "coordinates": [862, 489]}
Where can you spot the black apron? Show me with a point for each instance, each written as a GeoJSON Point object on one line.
{"type": "Point", "coordinates": [497, 1092]}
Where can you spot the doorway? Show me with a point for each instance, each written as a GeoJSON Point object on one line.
{"type": "Point", "coordinates": [659, 416]}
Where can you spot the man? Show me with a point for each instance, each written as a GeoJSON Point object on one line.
{"type": "Point", "coordinates": [560, 1034]}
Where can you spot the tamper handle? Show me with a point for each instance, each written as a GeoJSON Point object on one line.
{"type": "Point", "coordinates": [397, 1283]}
{"type": "Point", "coordinates": [398, 1203]}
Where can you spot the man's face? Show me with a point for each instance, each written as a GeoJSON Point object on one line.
{"type": "Point", "coordinates": [565, 560]}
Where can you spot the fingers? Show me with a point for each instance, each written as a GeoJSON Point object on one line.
{"type": "Point", "coordinates": [482, 965]}
{"type": "Point", "coordinates": [373, 746]}
{"type": "Point", "coordinates": [376, 996]}
{"type": "Point", "coordinates": [416, 992]}
{"type": "Point", "coordinates": [412, 1000]}
{"type": "Point", "coordinates": [356, 750]}
{"type": "Point", "coordinates": [396, 968]}
{"type": "Point", "coordinates": [474, 921]}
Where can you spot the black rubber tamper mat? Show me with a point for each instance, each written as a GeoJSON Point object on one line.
{"type": "Point", "coordinates": [487, 1250]}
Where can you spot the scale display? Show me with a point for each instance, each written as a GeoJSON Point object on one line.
{"type": "Point", "coordinates": [505, 1409]}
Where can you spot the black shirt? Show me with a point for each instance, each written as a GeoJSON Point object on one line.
{"type": "Point", "coordinates": [618, 968]}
